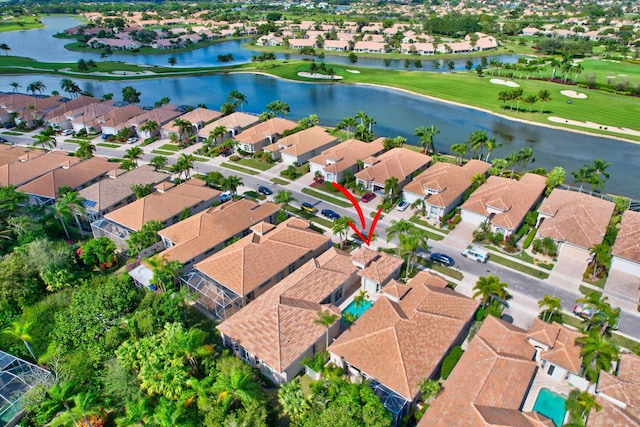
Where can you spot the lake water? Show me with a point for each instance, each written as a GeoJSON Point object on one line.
{"type": "Point", "coordinates": [396, 113]}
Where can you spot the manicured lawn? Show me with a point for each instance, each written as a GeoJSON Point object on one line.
{"type": "Point", "coordinates": [334, 193]}
{"type": "Point", "coordinates": [417, 220]}
{"type": "Point", "coordinates": [12, 133]}
{"type": "Point", "coordinates": [447, 271]}
{"type": "Point", "coordinates": [201, 159]}
{"type": "Point", "coordinates": [311, 217]}
{"type": "Point", "coordinates": [73, 141]}
{"type": "Point", "coordinates": [280, 181]}
{"type": "Point", "coordinates": [585, 290]}
{"type": "Point", "coordinates": [21, 23]}
{"type": "Point", "coordinates": [256, 164]}
{"type": "Point", "coordinates": [107, 145]}
{"type": "Point", "coordinates": [326, 197]}
{"type": "Point", "coordinates": [239, 168]}
{"type": "Point", "coordinates": [169, 147]}
{"type": "Point", "coordinates": [163, 152]}
{"type": "Point", "coordinates": [517, 266]}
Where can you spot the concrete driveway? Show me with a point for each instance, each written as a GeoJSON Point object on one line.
{"type": "Point", "coordinates": [461, 236]}
{"type": "Point", "coordinates": [570, 266]}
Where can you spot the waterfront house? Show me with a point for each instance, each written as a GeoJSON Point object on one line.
{"type": "Point", "coordinates": [626, 249]}
{"type": "Point", "coordinates": [336, 45]}
{"type": "Point", "coordinates": [442, 186]}
{"type": "Point", "coordinates": [503, 202]}
{"type": "Point", "coordinates": [333, 162]}
{"type": "Point", "coordinates": [253, 139]}
{"type": "Point", "coordinates": [115, 120]}
{"type": "Point", "coordinates": [369, 47]}
{"type": "Point", "coordinates": [58, 118]}
{"type": "Point", "coordinates": [160, 116]}
{"type": "Point", "coordinates": [302, 43]}
{"type": "Point", "coordinates": [301, 146]}
{"type": "Point", "coordinates": [80, 118]}
{"type": "Point", "coordinates": [417, 48]}
{"type": "Point", "coordinates": [400, 163]}
{"type": "Point", "coordinates": [198, 117]}
{"type": "Point", "coordinates": [234, 122]}
{"type": "Point", "coordinates": [231, 278]}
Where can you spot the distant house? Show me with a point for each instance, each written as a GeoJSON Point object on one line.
{"type": "Point", "coordinates": [336, 45]}
{"type": "Point", "coordinates": [255, 138]}
{"type": "Point", "coordinates": [113, 43]}
{"type": "Point", "coordinates": [442, 186]}
{"type": "Point", "coordinates": [231, 278]}
{"type": "Point", "coordinates": [417, 48]}
{"type": "Point", "coordinates": [164, 205]}
{"type": "Point", "coordinates": [302, 43]}
{"type": "Point", "coordinates": [335, 161]}
{"type": "Point", "coordinates": [301, 146]}
{"type": "Point", "coordinates": [369, 47]}
{"type": "Point", "coordinates": [400, 163]}
{"type": "Point", "coordinates": [403, 338]}
{"type": "Point", "coordinates": [617, 395]}
{"type": "Point", "coordinates": [270, 40]}
{"type": "Point", "coordinates": [503, 202]}
{"type": "Point", "coordinates": [530, 31]}
{"type": "Point", "coordinates": [279, 329]}
{"type": "Point", "coordinates": [626, 249]}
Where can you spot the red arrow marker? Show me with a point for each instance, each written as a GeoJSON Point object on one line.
{"type": "Point", "coordinates": [356, 204]}
{"type": "Point", "coordinates": [353, 200]}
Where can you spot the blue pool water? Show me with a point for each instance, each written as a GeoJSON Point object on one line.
{"type": "Point", "coordinates": [357, 311]}
{"type": "Point", "coordinates": [551, 405]}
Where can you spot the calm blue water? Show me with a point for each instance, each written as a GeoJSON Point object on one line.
{"type": "Point", "coordinates": [357, 311]}
{"type": "Point", "coordinates": [551, 405]}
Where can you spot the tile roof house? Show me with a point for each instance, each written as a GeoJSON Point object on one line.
{"type": "Point", "coordinates": [618, 395]}
{"type": "Point", "coordinates": [276, 331]}
{"type": "Point", "coordinates": [28, 109]}
{"type": "Point", "coordinates": [116, 120]}
{"type": "Point", "coordinates": [83, 117]}
{"type": "Point", "coordinates": [199, 117]}
{"type": "Point", "coordinates": [575, 218]}
{"type": "Point", "coordinates": [43, 191]}
{"type": "Point", "coordinates": [115, 190]}
{"type": "Point", "coordinates": [253, 139]}
{"type": "Point", "coordinates": [376, 268]}
{"type": "Point", "coordinates": [58, 117]}
{"type": "Point", "coordinates": [557, 352]}
{"type": "Point", "coordinates": [195, 238]}
{"type": "Point", "coordinates": [163, 205]}
{"type": "Point", "coordinates": [626, 249]}
{"type": "Point", "coordinates": [333, 162]}
{"type": "Point", "coordinates": [33, 165]}
{"type": "Point", "coordinates": [234, 122]}
{"type": "Point", "coordinates": [503, 202]}
{"type": "Point", "coordinates": [231, 278]}
{"type": "Point", "coordinates": [369, 47]}
{"type": "Point", "coordinates": [10, 154]}
{"type": "Point", "coordinates": [442, 186]}
{"type": "Point", "coordinates": [336, 45]}
{"type": "Point", "coordinates": [160, 116]}
{"type": "Point", "coordinates": [404, 336]}
{"type": "Point", "coordinates": [301, 146]}
{"type": "Point", "coordinates": [490, 382]}
{"type": "Point", "coordinates": [397, 162]}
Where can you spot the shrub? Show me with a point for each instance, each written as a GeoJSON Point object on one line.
{"type": "Point", "coordinates": [480, 315]}
{"type": "Point", "coordinates": [450, 361]}
{"type": "Point", "coordinates": [530, 236]}
{"type": "Point", "coordinates": [234, 158]}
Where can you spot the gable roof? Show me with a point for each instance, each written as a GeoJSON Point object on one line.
{"type": "Point", "coordinates": [398, 162]}
{"type": "Point", "coordinates": [623, 388]}
{"type": "Point", "coordinates": [195, 116]}
{"type": "Point", "coordinates": [346, 154]}
{"type": "Point", "coordinates": [401, 343]}
{"type": "Point", "coordinates": [9, 154]}
{"type": "Point", "coordinates": [232, 121]}
{"type": "Point", "coordinates": [380, 266]}
{"type": "Point", "coordinates": [254, 259]}
{"type": "Point", "coordinates": [510, 198]}
{"type": "Point", "coordinates": [495, 371]}
{"type": "Point", "coordinates": [627, 243]}
{"type": "Point", "coordinates": [33, 165]}
{"type": "Point", "coordinates": [563, 350]}
{"type": "Point", "coordinates": [162, 206]}
{"type": "Point", "coordinates": [575, 217]}
{"type": "Point", "coordinates": [302, 142]}
{"type": "Point", "coordinates": [207, 229]}
{"type": "Point", "coordinates": [71, 105]}
{"type": "Point", "coordinates": [260, 131]}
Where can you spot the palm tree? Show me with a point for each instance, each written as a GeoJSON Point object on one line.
{"type": "Point", "coordinates": [62, 211]}
{"type": "Point", "coordinates": [15, 86]}
{"type": "Point", "coordinates": [398, 228]}
{"type": "Point", "coordinates": [278, 108]}
{"type": "Point", "coordinates": [231, 184]}
{"type": "Point", "coordinates": [326, 318]}
{"type": "Point", "coordinates": [213, 179]}
{"type": "Point", "coordinates": [150, 126]}
{"type": "Point", "coordinates": [6, 48]}
{"type": "Point", "coordinates": [185, 128]}
{"type": "Point", "coordinates": [517, 95]}
{"type": "Point", "coordinates": [530, 99]}
{"type": "Point", "coordinates": [236, 387]}
{"type": "Point", "coordinates": [410, 243]}
{"type": "Point", "coordinates": [597, 354]}
{"type": "Point", "coordinates": [525, 156]}
{"type": "Point", "coordinates": [459, 150]}
{"type": "Point", "coordinates": [550, 306]}
{"type": "Point", "coordinates": [74, 204]}
{"type": "Point", "coordinates": [426, 135]}
{"type": "Point", "coordinates": [133, 154]}
{"type": "Point", "coordinates": [361, 299]}
{"type": "Point", "coordinates": [421, 205]}
{"type": "Point", "coordinates": [58, 397]}
{"type": "Point", "coordinates": [46, 140]}
{"type": "Point", "coordinates": [237, 98]}
{"type": "Point", "coordinates": [491, 144]}
{"type": "Point", "coordinates": [284, 198]}
{"type": "Point", "coordinates": [601, 259]}
{"type": "Point", "coordinates": [37, 86]}
{"type": "Point", "coordinates": [489, 287]}
{"type": "Point", "coordinates": [579, 405]}
{"type": "Point", "coordinates": [555, 64]}
{"type": "Point", "coordinates": [341, 227]}
{"type": "Point", "coordinates": [391, 187]}
{"type": "Point", "coordinates": [217, 132]}
{"type": "Point", "coordinates": [20, 330]}
{"type": "Point", "coordinates": [599, 168]}
{"type": "Point", "coordinates": [476, 142]}
{"type": "Point", "coordinates": [544, 96]}
{"type": "Point", "coordinates": [184, 164]}
{"type": "Point", "coordinates": [293, 401]}
{"type": "Point", "coordinates": [348, 123]}
{"type": "Point", "coordinates": [583, 175]}
{"type": "Point", "coordinates": [85, 149]}
{"type": "Point", "coordinates": [158, 162]}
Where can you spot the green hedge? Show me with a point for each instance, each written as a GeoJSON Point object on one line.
{"type": "Point", "coordinates": [529, 239]}
{"type": "Point", "coordinates": [450, 361]}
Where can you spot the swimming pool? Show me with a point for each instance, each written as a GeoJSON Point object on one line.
{"type": "Point", "coordinates": [355, 310]}
{"type": "Point", "coordinates": [551, 405]}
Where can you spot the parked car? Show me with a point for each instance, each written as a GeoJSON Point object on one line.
{"type": "Point", "coordinates": [443, 259]}
{"type": "Point", "coordinates": [9, 125]}
{"type": "Point", "coordinates": [67, 132]}
{"type": "Point", "coordinates": [476, 253]}
{"type": "Point", "coordinates": [368, 197]}
{"type": "Point", "coordinates": [328, 213]}
{"type": "Point", "coordinates": [132, 140]}
{"type": "Point", "coordinates": [402, 206]}
{"type": "Point", "coordinates": [587, 312]}
{"type": "Point", "coordinates": [225, 196]}
{"type": "Point", "coordinates": [265, 190]}
{"type": "Point", "coordinates": [308, 207]}
{"type": "Point", "coordinates": [3, 139]}
{"type": "Point", "coordinates": [106, 135]}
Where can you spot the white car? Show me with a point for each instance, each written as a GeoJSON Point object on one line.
{"type": "Point", "coordinates": [402, 206]}
{"type": "Point", "coordinates": [67, 132]}
{"type": "Point", "coordinates": [132, 140]}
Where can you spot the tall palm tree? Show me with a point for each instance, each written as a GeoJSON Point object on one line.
{"type": "Point", "coordinates": [544, 96]}
{"type": "Point", "coordinates": [426, 135]}
{"type": "Point", "coordinates": [218, 132]}
{"type": "Point", "coordinates": [326, 318]}
{"type": "Point", "coordinates": [185, 129]}
{"type": "Point", "coordinates": [184, 164]}
{"type": "Point", "coordinates": [150, 126]}
{"type": "Point", "coordinates": [74, 204]}
{"type": "Point", "coordinates": [341, 228]}
{"type": "Point", "coordinates": [477, 140]}
{"type": "Point", "coordinates": [579, 405]}
{"type": "Point", "coordinates": [410, 242]}
{"type": "Point", "coordinates": [278, 108]}
{"type": "Point", "coordinates": [600, 171]}
{"type": "Point", "coordinates": [20, 330]}
{"type": "Point", "coordinates": [237, 98]}
{"type": "Point", "coordinates": [398, 228]}
{"type": "Point", "coordinates": [491, 144]}
{"type": "Point", "coordinates": [85, 149]}
{"type": "Point", "coordinates": [517, 95]}
{"type": "Point", "coordinates": [6, 48]}
{"type": "Point", "coordinates": [488, 287]}
{"type": "Point", "coordinates": [133, 154]}
{"type": "Point", "coordinates": [348, 123]}
{"type": "Point", "coordinates": [597, 354]}
{"type": "Point", "coordinates": [62, 211]}
{"type": "Point", "coordinates": [459, 150]}
{"type": "Point", "coordinates": [525, 156]}
{"type": "Point", "coordinates": [550, 305]}
{"type": "Point", "coordinates": [231, 184]}
{"type": "Point", "coordinates": [583, 175]}
{"type": "Point", "coordinates": [58, 397]}
{"type": "Point", "coordinates": [284, 198]}
{"type": "Point", "coordinates": [601, 259]}
{"type": "Point", "coordinates": [15, 86]}
{"type": "Point", "coordinates": [46, 140]}
{"type": "Point", "coordinates": [391, 187]}
{"type": "Point", "coordinates": [158, 162]}
{"type": "Point", "coordinates": [236, 387]}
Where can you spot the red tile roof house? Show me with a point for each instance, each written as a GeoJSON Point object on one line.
{"type": "Point", "coordinates": [32, 165]}
{"type": "Point", "coordinates": [397, 162]}
{"type": "Point", "coordinates": [369, 47]}
{"type": "Point", "coordinates": [231, 278]}
{"type": "Point", "coordinates": [301, 43]}
{"type": "Point", "coordinates": [490, 382]}
{"type": "Point", "coordinates": [57, 118]}
{"type": "Point", "coordinates": [234, 122]}
{"type": "Point", "coordinates": [276, 331]}
{"type": "Point", "coordinates": [43, 191]}
{"type": "Point", "coordinates": [28, 109]}
{"type": "Point", "coordinates": [10, 154]}
{"type": "Point", "coordinates": [301, 146]}
{"type": "Point", "coordinates": [376, 269]}
{"type": "Point", "coordinates": [198, 117]}
{"type": "Point", "coordinates": [116, 119]}
{"type": "Point", "coordinates": [573, 218]}
{"type": "Point", "coordinates": [115, 190]}
{"type": "Point", "coordinates": [78, 118]}
{"type": "Point", "coordinates": [626, 249]}
{"type": "Point", "coordinates": [255, 138]}
{"type": "Point", "coordinates": [442, 186]}
{"type": "Point", "coordinates": [163, 205]}
{"type": "Point", "coordinates": [161, 116]}
{"type": "Point", "coordinates": [403, 338]}
{"type": "Point", "coordinates": [333, 162]}
{"type": "Point", "coordinates": [618, 395]}
{"type": "Point", "coordinates": [503, 202]}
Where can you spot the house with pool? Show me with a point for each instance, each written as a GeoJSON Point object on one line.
{"type": "Point", "coordinates": [376, 269]}
{"type": "Point", "coordinates": [403, 338]}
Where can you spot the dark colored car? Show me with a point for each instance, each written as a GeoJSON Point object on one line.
{"type": "Point", "coordinates": [368, 197]}
{"type": "Point", "coordinates": [3, 139]}
{"type": "Point", "coordinates": [328, 213]}
{"type": "Point", "coordinates": [106, 135]}
{"type": "Point", "coordinates": [265, 190]}
{"type": "Point", "coordinates": [308, 207]}
{"type": "Point", "coordinates": [442, 259]}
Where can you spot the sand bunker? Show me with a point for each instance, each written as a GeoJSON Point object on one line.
{"type": "Point", "coordinates": [592, 125]}
{"type": "Point", "coordinates": [319, 76]}
{"type": "Point", "coordinates": [353, 71]}
{"type": "Point", "coordinates": [573, 94]}
{"type": "Point", "coordinates": [504, 82]}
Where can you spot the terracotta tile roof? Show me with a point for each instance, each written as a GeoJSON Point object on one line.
{"type": "Point", "coordinates": [502, 417]}
{"type": "Point", "coordinates": [623, 388]}
{"type": "Point", "coordinates": [201, 232]}
{"type": "Point", "coordinates": [381, 268]}
{"type": "Point", "coordinates": [233, 120]}
{"type": "Point", "coordinates": [195, 116]}
{"type": "Point", "coordinates": [162, 206]}
{"type": "Point", "coordinates": [346, 154]}
{"type": "Point", "coordinates": [399, 344]}
{"type": "Point", "coordinates": [88, 113]}
{"type": "Point", "coordinates": [254, 259]}
{"type": "Point", "coordinates": [32, 165]}
{"type": "Point", "coordinates": [448, 181]}
{"type": "Point", "coordinates": [18, 102]}
{"type": "Point", "coordinates": [259, 132]}
{"type": "Point", "coordinates": [117, 118]}
{"type": "Point", "coordinates": [576, 218]}
{"type": "Point", "coordinates": [563, 350]}
{"type": "Point", "coordinates": [627, 243]}
{"type": "Point", "coordinates": [495, 371]}
{"type": "Point", "coordinates": [71, 105]}
{"type": "Point", "coordinates": [363, 256]}
{"type": "Point", "coordinates": [161, 115]}
{"type": "Point", "coordinates": [611, 415]}
{"type": "Point", "coordinates": [280, 325]}
{"type": "Point", "coordinates": [510, 198]}
{"type": "Point", "coordinates": [75, 177]}
{"type": "Point", "coordinates": [305, 141]}
{"type": "Point", "coordinates": [9, 154]}
{"type": "Point", "coordinates": [398, 162]}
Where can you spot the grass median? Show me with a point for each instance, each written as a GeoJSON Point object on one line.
{"type": "Point", "coordinates": [517, 266]}
{"type": "Point", "coordinates": [326, 198]}
{"type": "Point", "coordinates": [239, 168]}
